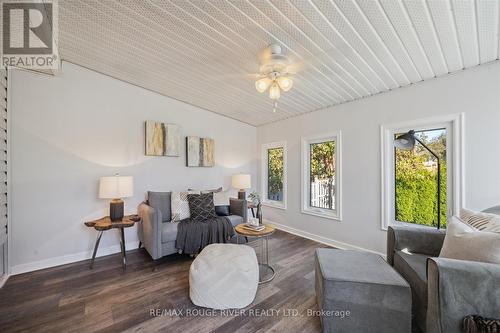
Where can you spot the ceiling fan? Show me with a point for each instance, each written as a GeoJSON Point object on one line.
{"type": "Point", "coordinates": [274, 73]}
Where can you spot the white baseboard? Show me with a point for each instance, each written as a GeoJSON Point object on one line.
{"type": "Point", "coordinates": [320, 239]}
{"type": "Point", "coordinates": [3, 279]}
{"type": "Point", "coordinates": [69, 258]}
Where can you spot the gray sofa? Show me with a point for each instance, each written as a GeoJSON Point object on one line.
{"type": "Point", "coordinates": [444, 291]}
{"type": "Point", "coordinates": [158, 233]}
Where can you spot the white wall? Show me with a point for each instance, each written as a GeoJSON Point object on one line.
{"type": "Point", "coordinates": [69, 130]}
{"type": "Point", "coordinates": [476, 92]}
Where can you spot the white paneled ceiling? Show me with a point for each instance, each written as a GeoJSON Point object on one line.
{"type": "Point", "coordinates": [201, 52]}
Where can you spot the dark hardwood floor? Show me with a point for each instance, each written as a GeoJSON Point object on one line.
{"type": "Point", "coordinates": [73, 298]}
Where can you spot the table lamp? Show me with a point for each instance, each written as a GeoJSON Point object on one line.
{"type": "Point", "coordinates": [116, 188]}
{"type": "Point", "coordinates": [241, 182]}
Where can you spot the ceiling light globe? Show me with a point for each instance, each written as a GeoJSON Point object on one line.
{"type": "Point", "coordinates": [262, 84]}
{"type": "Point", "coordinates": [274, 92]}
{"type": "Point", "coordinates": [285, 83]}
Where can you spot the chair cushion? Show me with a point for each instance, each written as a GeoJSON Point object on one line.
{"type": "Point", "coordinates": [161, 202]}
{"type": "Point", "coordinates": [169, 232]}
{"type": "Point", "coordinates": [413, 267]}
{"type": "Point", "coordinates": [235, 219]}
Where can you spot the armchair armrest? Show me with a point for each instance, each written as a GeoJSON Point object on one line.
{"type": "Point", "coordinates": [458, 288]}
{"type": "Point", "coordinates": [150, 234]}
{"type": "Point", "coordinates": [416, 239]}
{"type": "Point", "coordinates": [238, 207]}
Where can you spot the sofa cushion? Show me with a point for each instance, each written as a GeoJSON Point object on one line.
{"type": "Point", "coordinates": [222, 202]}
{"type": "Point", "coordinates": [215, 190]}
{"type": "Point", "coordinates": [222, 210]}
{"type": "Point", "coordinates": [169, 232]}
{"type": "Point", "coordinates": [480, 220]}
{"type": "Point", "coordinates": [161, 202]}
{"type": "Point", "coordinates": [235, 219]}
{"type": "Point", "coordinates": [201, 206]}
{"type": "Point", "coordinates": [493, 210]}
{"type": "Point", "coordinates": [180, 205]}
{"type": "Point", "coordinates": [464, 242]}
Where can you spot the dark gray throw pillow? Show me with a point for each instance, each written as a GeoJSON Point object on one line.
{"type": "Point", "coordinates": [222, 210]}
{"type": "Point", "coordinates": [201, 206]}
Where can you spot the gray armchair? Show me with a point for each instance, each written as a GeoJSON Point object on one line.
{"type": "Point", "coordinates": [158, 233]}
{"type": "Point", "coordinates": [444, 291]}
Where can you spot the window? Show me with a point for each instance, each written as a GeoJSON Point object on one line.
{"type": "Point", "coordinates": [410, 177]}
{"type": "Point", "coordinates": [321, 176]}
{"type": "Point", "coordinates": [274, 174]}
{"type": "Point", "coordinates": [415, 182]}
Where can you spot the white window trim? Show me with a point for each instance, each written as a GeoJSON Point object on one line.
{"type": "Point", "coordinates": [264, 170]}
{"type": "Point", "coordinates": [305, 208]}
{"type": "Point", "coordinates": [456, 123]}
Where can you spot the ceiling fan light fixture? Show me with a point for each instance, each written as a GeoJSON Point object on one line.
{"type": "Point", "coordinates": [274, 92]}
{"type": "Point", "coordinates": [262, 84]}
{"type": "Point", "coordinates": [285, 83]}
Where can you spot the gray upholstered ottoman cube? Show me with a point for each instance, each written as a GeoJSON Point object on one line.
{"type": "Point", "coordinates": [360, 292]}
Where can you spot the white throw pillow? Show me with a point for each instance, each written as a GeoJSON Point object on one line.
{"type": "Point", "coordinates": [467, 243]}
{"type": "Point", "coordinates": [221, 198]}
{"type": "Point", "coordinates": [180, 205]}
{"type": "Point", "coordinates": [481, 221]}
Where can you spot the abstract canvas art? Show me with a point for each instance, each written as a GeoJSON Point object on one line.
{"type": "Point", "coordinates": [162, 139]}
{"type": "Point", "coordinates": [200, 152]}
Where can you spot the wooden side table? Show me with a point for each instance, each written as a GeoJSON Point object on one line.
{"type": "Point", "coordinates": [104, 224]}
{"type": "Point", "coordinates": [266, 272]}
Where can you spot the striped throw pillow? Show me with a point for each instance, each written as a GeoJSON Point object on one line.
{"type": "Point", "coordinates": [481, 221]}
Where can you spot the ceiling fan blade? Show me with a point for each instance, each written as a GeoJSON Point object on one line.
{"type": "Point", "coordinates": [254, 76]}
{"type": "Point", "coordinates": [235, 76]}
{"type": "Point", "coordinates": [296, 67]}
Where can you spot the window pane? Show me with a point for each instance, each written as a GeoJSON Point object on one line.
{"type": "Point", "coordinates": [416, 180]}
{"type": "Point", "coordinates": [275, 174]}
{"type": "Point", "coordinates": [322, 175]}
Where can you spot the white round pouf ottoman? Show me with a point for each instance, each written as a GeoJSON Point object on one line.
{"type": "Point", "coordinates": [224, 276]}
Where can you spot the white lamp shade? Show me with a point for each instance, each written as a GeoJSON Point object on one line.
{"type": "Point", "coordinates": [285, 83]}
{"type": "Point", "coordinates": [262, 84]}
{"type": "Point", "coordinates": [116, 187]}
{"type": "Point", "coordinates": [241, 181]}
{"type": "Point", "coordinates": [274, 91]}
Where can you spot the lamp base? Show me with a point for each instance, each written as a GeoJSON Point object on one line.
{"type": "Point", "coordinates": [242, 195]}
{"type": "Point", "coordinates": [116, 210]}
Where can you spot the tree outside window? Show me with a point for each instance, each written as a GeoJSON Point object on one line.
{"type": "Point", "coordinates": [416, 180]}
{"type": "Point", "coordinates": [275, 174]}
{"type": "Point", "coordinates": [322, 175]}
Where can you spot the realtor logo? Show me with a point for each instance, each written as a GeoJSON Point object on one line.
{"type": "Point", "coordinates": [29, 34]}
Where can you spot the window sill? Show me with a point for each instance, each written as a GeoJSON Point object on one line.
{"type": "Point", "coordinates": [326, 215]}
{"type": "Point", "coordinates": [412, 225]}
{"type": "Point", "coordinates": [274, 205]}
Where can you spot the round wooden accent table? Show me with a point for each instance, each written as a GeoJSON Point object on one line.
{"type": "Point", "coordinates": [266, 272]}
